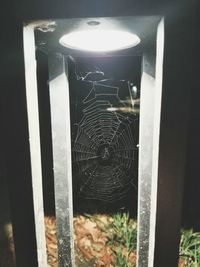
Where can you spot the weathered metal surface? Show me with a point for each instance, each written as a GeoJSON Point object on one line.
{"type": "Point", "coordinates": [147, 107]}
{"type": "Point", "coordinates": [156, 136]}
{"type": "Point", "coordinates": [34, 139]}
{"type": "Point", "coordinates": [61, 138]}
{"type": "Point", "coordinates": [151, 97]}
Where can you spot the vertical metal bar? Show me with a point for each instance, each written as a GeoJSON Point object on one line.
{"type": "Point", "coordinates": [156, 136]}
{"type": "Point", "coordinates": [34, 138]}
{"type": "Point", "coordinates": [146, 129]}
{"type": "Point", "coordinates": [151, 92]}
{"type": "Point", "coordinates": [61, 138]}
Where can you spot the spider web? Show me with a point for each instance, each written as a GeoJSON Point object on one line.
{"type": "Point", "coordinates": [104, 146]}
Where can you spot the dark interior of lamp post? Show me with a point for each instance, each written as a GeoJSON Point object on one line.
{"type": "Point", "coordinates": [104, 97]}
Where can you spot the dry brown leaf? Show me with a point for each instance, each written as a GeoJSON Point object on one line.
{"type": "Point", "coordinates": [181, 263]}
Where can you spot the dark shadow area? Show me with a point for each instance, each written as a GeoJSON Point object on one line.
{"type": "Point", "coordinates": [45, 133]}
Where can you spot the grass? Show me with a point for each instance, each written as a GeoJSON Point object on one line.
{"type": "Point", "coordinates": [190, 248]}
{"type": "Point", "coordinates": [126, 236]}
{"type": "Point", "coordinates": [122, 239]}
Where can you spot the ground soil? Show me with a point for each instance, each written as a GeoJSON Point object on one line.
{"type": "Point", "coordinates": [91, 241]}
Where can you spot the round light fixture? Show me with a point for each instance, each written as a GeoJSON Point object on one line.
{"type": "Point", "coordinates": [99, 40]}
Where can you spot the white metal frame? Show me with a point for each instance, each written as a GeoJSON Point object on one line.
{"type": "Point", "coordinates": [151, 92]}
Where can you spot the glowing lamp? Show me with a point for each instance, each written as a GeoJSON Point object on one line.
{"type": "Point", "coordinates": [99, 40]}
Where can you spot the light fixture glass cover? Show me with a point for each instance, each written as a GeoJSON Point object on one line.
{"type": "Point", "coordinates": [99, 40]}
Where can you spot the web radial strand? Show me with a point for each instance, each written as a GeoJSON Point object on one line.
{"type": "Point", "coordinates": [103, 150]}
